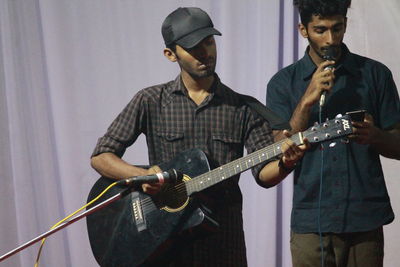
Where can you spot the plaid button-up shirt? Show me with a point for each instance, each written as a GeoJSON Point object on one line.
{"type": "Point", "coordinates": [221, 126]}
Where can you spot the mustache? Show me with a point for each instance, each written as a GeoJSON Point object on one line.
{"type": "Point", "coordinates": [206, 61]}
{"type": "Point", "coordinates": [326, 48]}
{"type": "Point", "coordinates": [329, 52]}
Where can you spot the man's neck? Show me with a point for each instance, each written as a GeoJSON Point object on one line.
{"type": "Point", "coordinates": [198, 89]}
{"type": "Point", "coordinates": [197, 85]}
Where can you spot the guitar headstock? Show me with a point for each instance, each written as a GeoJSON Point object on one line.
{"type": "Point", "coordinates": [331, 129]}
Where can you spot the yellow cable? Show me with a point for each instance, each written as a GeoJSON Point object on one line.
{"type": "Point", "coordinates": [69, 216]}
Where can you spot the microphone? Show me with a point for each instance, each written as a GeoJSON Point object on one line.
{"type": "Point", "coordinates": [171, 176]}
{"type": "Point", "coordinates": [330, 54]}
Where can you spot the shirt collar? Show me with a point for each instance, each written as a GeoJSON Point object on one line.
{"type": "Point", "coordinates": [179, 87]}
{"type": "Point", "coordinates": [308, 67]}
{"type": "Point", "coordinates": [347, 63]}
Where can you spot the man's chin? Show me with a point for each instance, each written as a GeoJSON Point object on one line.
{"type": "Point", "coordinates": [322, 52]}
{"type": "Point", "coordinates": [203, 74]}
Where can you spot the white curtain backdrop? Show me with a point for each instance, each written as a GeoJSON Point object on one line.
{"type": "Point", "coordinates": [67, 67]}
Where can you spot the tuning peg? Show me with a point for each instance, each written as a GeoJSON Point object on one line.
{"type": "Point", "coordinates": [345, 140]}
{"type": "Point", "coordinates": [315, 123]}
{"type": "Point", "coordinates": [338, 116]}
{"type": "Point", "coordinates": [326, 119]}
{"type": "Point", "coordinates": [332, 144]}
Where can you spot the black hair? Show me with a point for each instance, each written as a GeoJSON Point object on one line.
{"type": "Point", "coordinates": [323, 8]}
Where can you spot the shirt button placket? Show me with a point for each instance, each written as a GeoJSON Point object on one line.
{"type": "Point", "coordinates": [196, 131]}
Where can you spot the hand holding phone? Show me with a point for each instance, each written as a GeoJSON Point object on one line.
{"type": "Point", "coordinates": [364, 130]}
{"type": "Point", "coordinates": [357, 115]}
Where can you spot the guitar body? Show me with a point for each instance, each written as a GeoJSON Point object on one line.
{"type": "Point", "coordinates": [144, 230]}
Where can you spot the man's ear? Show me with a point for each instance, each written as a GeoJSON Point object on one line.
{"type": "Point", "coordinates": [168, 53]}
{"type": "Point", "coordinates": [303, 30]}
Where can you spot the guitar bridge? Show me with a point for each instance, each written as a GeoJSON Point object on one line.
{"type": "Point", "coordinates": [137, 214]}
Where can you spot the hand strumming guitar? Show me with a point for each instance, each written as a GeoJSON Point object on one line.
{"type": "Point", "coordinates": [152, 188]}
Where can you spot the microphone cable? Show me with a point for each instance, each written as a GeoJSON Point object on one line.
{"type": "Point", "coordinates": [320, 193]}
{"type": "Point", "coordinates": [331, 54]}
{"type": "Point", "coordinates": [69, 216]}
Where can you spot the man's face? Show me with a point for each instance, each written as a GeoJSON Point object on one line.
{"type": "Point", "coordinates": [324, 32]}
{"type": "Point", "coordinates": [199, 61]}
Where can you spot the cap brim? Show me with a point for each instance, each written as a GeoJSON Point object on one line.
{"type": "Point", "coordinates": [196, 37]}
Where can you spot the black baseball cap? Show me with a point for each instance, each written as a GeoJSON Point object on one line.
{"type": "Point", "coordinates": [187, 26]}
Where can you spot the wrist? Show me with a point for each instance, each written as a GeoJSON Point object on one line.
{"type": "Point", "coordinates": [306, 104]}
{"type": "Point", "coordinates": [282, 165]}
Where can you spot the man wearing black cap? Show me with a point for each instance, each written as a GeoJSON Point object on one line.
{"type": "Point", "coordinates": [195, 111]}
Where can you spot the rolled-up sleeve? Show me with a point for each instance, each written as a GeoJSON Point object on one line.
{"type": "Point", "coordinates": [259, 136]}
{"type": "Point", "coordinates": [125, 129]}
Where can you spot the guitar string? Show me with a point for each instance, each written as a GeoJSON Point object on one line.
{"type": "Point", "coordinates": [181, 188]}
{"type": "Point", "coordinates": [214, 174]}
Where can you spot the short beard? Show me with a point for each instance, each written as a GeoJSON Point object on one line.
{"type": "Point", "coordinates": [202, 74]}
{"type": "Point", "coordinates": [322, 56]}
{"type": "Point", "coordinates": [197, 74]}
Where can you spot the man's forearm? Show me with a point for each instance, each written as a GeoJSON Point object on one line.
{"type": "Point", "coordinates": [272, 174]}
{"type": "Point", "coordinates": [300, 118]}
{"type": "Point", "coordinates": [110, 165]}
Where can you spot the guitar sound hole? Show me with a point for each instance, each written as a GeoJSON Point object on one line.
{"type": "Point", "coordinates": [172, 196]}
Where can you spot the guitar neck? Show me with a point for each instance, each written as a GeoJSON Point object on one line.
{"type": "Point", "coordinates": [237, 166]}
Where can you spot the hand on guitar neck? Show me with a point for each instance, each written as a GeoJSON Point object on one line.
{"type": "Point", "coordinates": [292, 153]}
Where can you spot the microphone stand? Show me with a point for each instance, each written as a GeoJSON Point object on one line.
{"type": "Point", "coordinates": [65, 224]}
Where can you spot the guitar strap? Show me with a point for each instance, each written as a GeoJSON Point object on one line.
{"type": "Point", "coordinates": [275, 121]}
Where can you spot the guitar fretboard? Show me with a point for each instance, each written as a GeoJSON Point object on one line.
{"type": "Point", "coordinates": [237, 166]}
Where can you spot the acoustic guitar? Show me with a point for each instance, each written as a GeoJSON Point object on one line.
{"type": "Point", "coordinates": [145, 230]}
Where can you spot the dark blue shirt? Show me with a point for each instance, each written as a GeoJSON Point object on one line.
{"type": "Point", "coordinates": [354, 195]}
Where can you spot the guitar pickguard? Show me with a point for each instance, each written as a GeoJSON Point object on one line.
{"type": "Point", "coordinates": [174, 198]}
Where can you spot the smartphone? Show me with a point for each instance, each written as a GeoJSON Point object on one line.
{"type": "Point", "coordinates": [357, 115]}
